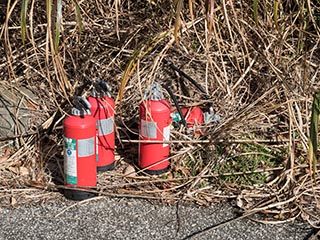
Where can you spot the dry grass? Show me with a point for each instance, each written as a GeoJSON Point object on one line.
{"type": "Point", "coordinates": [260, 77]}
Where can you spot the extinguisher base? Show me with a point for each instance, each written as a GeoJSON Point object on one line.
{"type": "Point", "coordinates": [78, 195]}
{"type": "Point", "coordinates": [109, 167]}
{"type": "Point", "coordinates": [156, 172]}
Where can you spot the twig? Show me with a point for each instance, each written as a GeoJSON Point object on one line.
{"type": "Point", "coordinates": [195, 177]}
{"type": "Point", "coordinates": [26, 134]}
{"type": "Point", "coordinates": [209, 141]}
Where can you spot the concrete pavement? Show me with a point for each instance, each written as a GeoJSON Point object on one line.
{"type": "Point", "coordinates": [106, 218]}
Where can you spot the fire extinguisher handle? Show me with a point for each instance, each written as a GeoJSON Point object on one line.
{"type": "Point", "coordinates": [105, 87]}
{"type": "Point", "coordinates": [82, 104]}
{"type": "Point", "coordinates": [98, 89]}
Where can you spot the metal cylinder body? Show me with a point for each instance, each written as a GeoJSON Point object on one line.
{"type": "Point", "coordinates": [155, 121]}
{"type": "Point", "coordinates": [102, 109]}
{"type": "Point", "coordinates": [80, 163]}
{"type": "Point", "coordinates": [194, 118]}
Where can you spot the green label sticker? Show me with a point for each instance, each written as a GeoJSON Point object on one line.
{"type": "Point", "coordinates": [70, 143]}
{"type": "Point", "coordinates": [71, 179]}
{"type": "Point", "coordinates": [70, 161]}
{"type": "Point", "coordinates": [176, 117]}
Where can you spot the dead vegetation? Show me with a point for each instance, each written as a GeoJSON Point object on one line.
{"type": "Point", "coordinates": [259, 65]}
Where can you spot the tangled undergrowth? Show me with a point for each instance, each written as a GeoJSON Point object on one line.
{"type": "Point", "coordinates": [258, 64]}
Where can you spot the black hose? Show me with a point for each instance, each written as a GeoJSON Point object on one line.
{"type": "Point", "coordinates": [174, 99]}
{"type": "Point", "coordinates": [197, 85]}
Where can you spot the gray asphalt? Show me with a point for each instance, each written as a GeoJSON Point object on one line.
{"type": "Point", "coordinates": [109, 218]}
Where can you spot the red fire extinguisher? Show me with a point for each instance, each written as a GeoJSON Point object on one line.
{"type": "Point", "coordinates": [102, 108]}
{"type": "Point", "coordinates": [155, 121]}
{"type": "Point", "coordinates": [79, 158]}
{"type": "Point", "coordinates": [194, 118]}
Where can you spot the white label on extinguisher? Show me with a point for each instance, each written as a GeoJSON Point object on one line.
{"type": "Point", "coordinates": [166, 135]}
{"type": "Point", "coordinates": [148, 129]}
{"type": "Point", "coordinates": [86, 147]}
{"type": "Point", "coordinates": [105, 126]}
{"type": "Point", "coordinates": [70, 160]}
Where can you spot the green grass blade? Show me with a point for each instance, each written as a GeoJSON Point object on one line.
{"type": "Point", "coordinates": [58, 25]}
{"type": "Point", "coordinates": [78, 12]}
{"type": "Point", "coordinates": [24, 8]}
{"type": "Point", "coordinates": [255, 11]}
{"type": "Point", "coordinates": [314, 129]}
{"type": "Point", "coordinates": [49, 12]}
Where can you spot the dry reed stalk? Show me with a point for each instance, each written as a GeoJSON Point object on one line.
{"type": "Point", "coordinates": [260, 69]}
